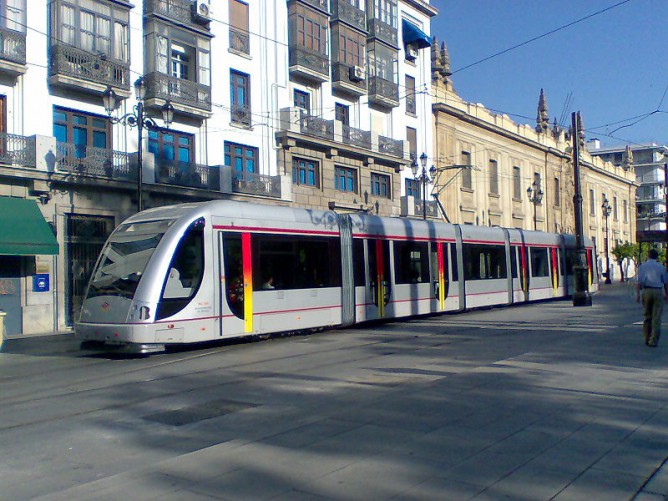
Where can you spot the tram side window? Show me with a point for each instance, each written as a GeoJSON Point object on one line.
{"type": "Point", "coordinates": [358, 262]}
{"type": "Point", "coordinates": [186, 271]}
{"type": "Point", "coordinates": [234, 273]}
{"type": "Point", "coordinates": [453, 261]}
{"type": "Point", "coordinates": [514, 257]}
{"type": "Point", "coordinates": [540, 264]}
{"type": "Point", "coordinates": [411, 262]}
{"type": "Point", "coordinates": [484, 262]}
{"type": "Point", "coordinates": [295, 262]}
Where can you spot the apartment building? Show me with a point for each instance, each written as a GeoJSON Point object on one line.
{"type": "Point", "coordinates": [108, 106]}
{"type": "Point", "coordinates": [647, 162]}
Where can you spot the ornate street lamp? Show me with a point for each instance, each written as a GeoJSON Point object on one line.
{"type": "Point", "coordinates": [137, 118]}
{"type": "Point", "coordinates": [423, 178]}
{"type": "Point", "coordinates": [607, 210]}
{"type": "Point", "coordinates": [535, 194]}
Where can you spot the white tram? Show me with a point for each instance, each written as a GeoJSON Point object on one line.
{"type": "Point", "coordinates": [222, 269]}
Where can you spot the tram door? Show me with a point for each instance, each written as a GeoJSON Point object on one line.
{"type": "Point", "coordinates": [439, 275]}
{"type": "Point", "coordinates": [378, 283]}
{"type": "Point", "coordinates": [236, 284]}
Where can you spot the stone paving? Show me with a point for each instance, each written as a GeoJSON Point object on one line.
{"type": "Point", "coordinates": [545, 401]}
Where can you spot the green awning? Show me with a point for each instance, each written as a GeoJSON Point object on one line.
{"type": "Point", "coordinates": [23, 229]}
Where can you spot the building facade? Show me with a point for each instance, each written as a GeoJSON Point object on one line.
{"type": "Point", "coordinates": [647, 161]}
{"type": "Point", "coordinates": [493, 171]}
{"type": "Point", "coordinates": [311, 103]}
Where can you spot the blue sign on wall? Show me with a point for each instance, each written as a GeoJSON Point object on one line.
{"type": "Point", "coordinates": [40, 282]}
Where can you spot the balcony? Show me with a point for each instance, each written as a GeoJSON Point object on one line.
{"type": "Point", "coordinates": [343, 11]}
{"type": "Point", "coordinates": [312, 66]}
{"type": "Point", "coordinates": [321, 5]}
{"type": "Point", "coordinates": [336, 138]}
{"type": "Point", "coordinates": [239, 41]}
{"type": "Point", "coordinates": [342, 82]}
{"type": "Point", "coordinates": [188, 175]}
{"type": "Point", "coordinates": [250, 183]}
{"type": "Point", "coordinates": [95, 162]}
{"type": "Point", "coordinates": [187, 97]}
{"type": "Point", "coordinates": [12, 52]}
{"type": "Point", "coordinates": [241, 115]}
{"type": "Point", "coordinates": [85, 71]}
{"type": "Point", "coordinates": [175, 10]}
{"type": "Point", "coordinates": [383, 32]}
{"type": "Point", "coordinates": [383, 93]}
{"type": "Point", "coordinates": [17, 151]}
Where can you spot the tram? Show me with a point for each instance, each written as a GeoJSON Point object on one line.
{"type": "Point", "coordinates": [223, 269]}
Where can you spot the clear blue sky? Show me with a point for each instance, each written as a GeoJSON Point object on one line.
{"type": "Point", "coordinates": [614, 65]}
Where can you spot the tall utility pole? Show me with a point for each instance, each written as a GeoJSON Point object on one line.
{"type": "Point", "coordinates": [581, 295]}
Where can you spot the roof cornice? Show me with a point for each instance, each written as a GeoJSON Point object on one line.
{"type": "Point", "coordinates": [423, 7]}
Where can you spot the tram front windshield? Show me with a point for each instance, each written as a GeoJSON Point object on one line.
{"type": "Point", "coordinates": [124, 258]}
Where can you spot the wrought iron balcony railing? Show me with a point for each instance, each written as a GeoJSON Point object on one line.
{"type": "Point", "coordinates": [383, 31]}
{"type": "Point", "coordinates": [256, 184]}
{"type": "Point", "coordinates": [319, 127]}
{"type": "Point", "coordinates": [241, 114]}
{"type": "Point", "coordinates": [177, 10]}
{"type": "Point", "coordinates": [342, 10]}
{"type": "Point", "coordinates": [357, 137]}
{"type": "Point", "coordinates": [316, 62]}
{"type": "Point", "coordinates": [17, 150]}
{"type": "Point", "coordinates": [187, 174]}
{"type": "Point", "coordinates": [341, 75]}
{"type": "Point", "coordinates": [390, 146]}
{"type": "Point", "coordinates": [178, 91]}
{"type": "Point", "coordinates": [97, 162]}
{"type": "Point", "coordinates": [239, 41]}
{"type": "Point", "coordinates": [83, 65]}
{"type": "Point", "coordinates": [383, 92]}
{"type": "Point", "coordinates": [12, 46]}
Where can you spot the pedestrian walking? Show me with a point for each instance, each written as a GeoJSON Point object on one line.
{"type": "Point", "coordinates": [653, 288]}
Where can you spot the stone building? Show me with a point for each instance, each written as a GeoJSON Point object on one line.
{"type": "Point", "coordinates": [490, 170]}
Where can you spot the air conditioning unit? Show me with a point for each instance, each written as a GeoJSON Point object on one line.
{"type": "Point", "coordinates": [357, 73]}
{"type": "Point", "coordinates": [201, 11]}
{"type": "Point", "coordinates": [411, 53]}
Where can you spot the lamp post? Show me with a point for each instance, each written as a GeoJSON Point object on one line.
{"type": "Point", "coordinates": [423, 178]}
{"type": "Point", "coordinates": [607, 210]}
{"type": "Point", "coordinates": [137, 118]}
{"type": "Point", "coordinates": [535, 194]}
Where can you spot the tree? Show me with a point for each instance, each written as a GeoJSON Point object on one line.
{"type": "Point", "coordinates": [623, 251]}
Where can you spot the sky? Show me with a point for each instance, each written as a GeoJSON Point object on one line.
{"type": "Point", "coordinates": [611, 66]}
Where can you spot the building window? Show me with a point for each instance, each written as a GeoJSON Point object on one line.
{"type": "Point", "coordinates": [81, 130]}
{"type": "Point", "coordinates": [240, 157]}
{"type": "Point", "coordinates": [493, 177]}
{"type": "Point", "coordinates": [410, 95]}
{"type": "Point", "coordinates": [13, 15]}
{"type": "Point", "coordinates": [383, 62]}
{"type": "Point", "coordinates": [517, 183]}
{"type": "Point", "coordinates": [467, 178]}
{"type": "Point", "coordinates": [308, 29]}
{"type": "Point", "coordinates": [557, 192]}
{"type": "Point", "coordinates": [102, 29]}
{"type": "Point", "coordinates": [169, 146]}
{"type": "Point", "coordinates": [380, 185]}
{"type": "Point", "coordinates": [592, 203]}
{"type": "Point", "coordinates": [386, 11]}
{"type": "Point", "coordinates": [411, 137]}
{"type": "Point", "coordinates": [413, 189]}
{"type": "Point", "coordinates": [345, 179]}
{"type": "Point", "coordinates": [615, 212]}
{"type": "Point", "coordinates": [303, 100]}
{"type": "Point", "coordinates": [626, 211]}
{"type": "Point", "coordinates": [240, 98]}
{"type": "Point", "coordinates": [342, 113]}
{"type": "Point", "coordinates": [239, 38]}
{"type": "Point", "coordinates": [349, 46]}
{"type": "Point", "coordinates": [305, 172]}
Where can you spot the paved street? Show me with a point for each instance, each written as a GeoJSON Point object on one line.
{"type": "Point", "coordinates": [543, 401]}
